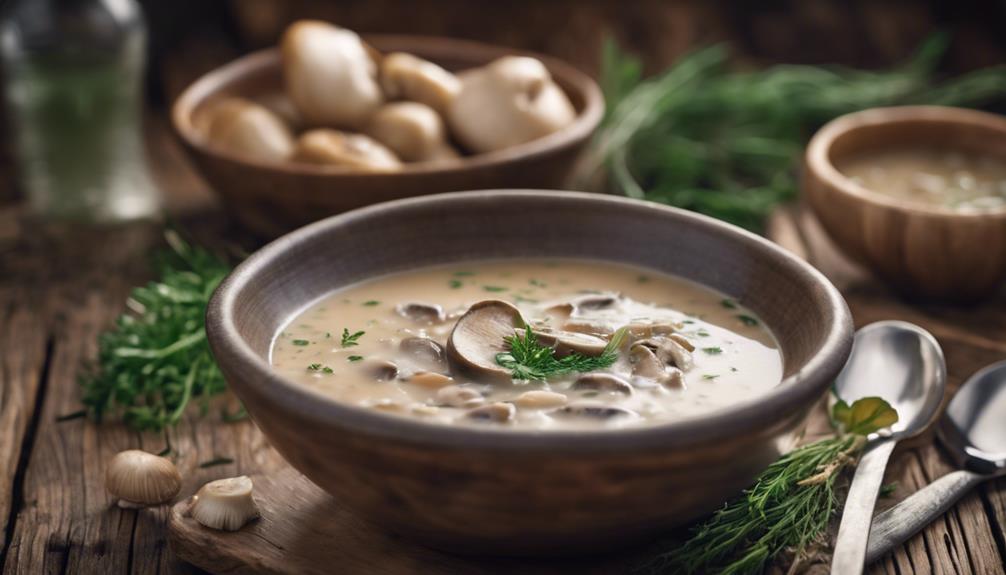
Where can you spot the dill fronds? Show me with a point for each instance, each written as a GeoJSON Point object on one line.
{"type": "Point", "coordinates": [529, 360]}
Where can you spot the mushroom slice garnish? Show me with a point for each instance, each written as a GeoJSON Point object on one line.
{"type": "Point", "coordinates": [425, 351]}
{"type": "Point", "coordinates": [457, 396]}
{"type": "Point", "coordinates": [669, 351]}
{"type": "Point", "coordinates": [498, 412]}
{"type": "Point", "coordinates": [479, 335]}
{"type": "Point", "coordinates": [421, 312]}
{"type": "Point", "coordinates": [380, 369]}
{"type": "Point", "coordinates": [645, 363]}
{"type": "Point", "coordinates": [591, 410]}
{"type": "Point", "coordinates": [566, 343]}
{"type": "Point", "coordinates": [603, 382]}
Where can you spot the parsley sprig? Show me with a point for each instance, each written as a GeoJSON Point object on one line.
{"type": "Point", "coordinates": [156, 360]}
{"type": "Point", "coordinates": [529, 360]}
{"type": "Point", "coordinates": [350, 339]}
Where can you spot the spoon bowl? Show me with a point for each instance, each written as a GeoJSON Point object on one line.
{"type": "Point", "coordinates": [901, 363]}
{"type": "Point", "coordinates": [973, 429]}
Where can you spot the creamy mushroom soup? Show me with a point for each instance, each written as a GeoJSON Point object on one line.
{"type": "Point", "coordinates": [535, 344]}
{"type": "Point", "coordinates": [932, 177]}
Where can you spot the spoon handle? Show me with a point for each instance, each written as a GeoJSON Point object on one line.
{"type": "Point", "coordinates": [854, 531]}
{"type": "Point", "coordinates": [894, 526]}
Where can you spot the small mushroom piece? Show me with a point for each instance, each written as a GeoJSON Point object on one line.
{"type": "Point", "coordinates": [425, 351]}
{"type": "Point", "coordinates": [479, 335]}
{"type": "Point", "coordinates": [329, 75]}
{"type": "Point", "coordinates": [138, 478]}
{"type": "Point", "coordinates": [648, 330]}
{"type": "Point", "coordinates": [595, 301]}
{"type": "Point", "coordinates": [588, 327]}
{"type": "Point", "coordinates": [334, 148]}
{"type": "Point", "coordinates": [645, 363]}
{"type": "Point", "coordinates": [669, 351]}
{"type": "Point", "coordinates": [603, 382]}
{"type": "Point", "coordinates": [457, 396]}
{"type": "Point", "coordinates": [510, 101]}
{"type": "Point", "coordinates": [682, 341]}
{"type": "Point", "coordinates": [380, 369]}
{"type": "Point", "coordinates": [591, 410]}
{"type": "Point", "coordinates": [225, 504]}
{"type": "Point", "coordinates": [430, 380]}
{"type": "Point", "coordinates": [248, 129]}
{"type": "Point", "coordinates": [539, 398]}
{"type": "Point", "coordinates": [566, 343]}
{"type": "Point", "coordinates": [413, 131]}
{"type": "Point", "coordinates": [498, 412]}
{"type": "Point", "coordinates": [421, 312]}
{"type": "Point", "coordinates": [406, 77]}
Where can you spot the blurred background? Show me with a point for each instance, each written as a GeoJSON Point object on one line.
{"type": "Point", "coordinates": [187, 38]}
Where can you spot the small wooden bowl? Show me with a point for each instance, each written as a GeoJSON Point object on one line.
{"type": "Point", "coordinates": [932, 253]}
{"type": "Point", "coordinates": [272, 197]}
{"type": "Point", "coordinates": [488, 489]}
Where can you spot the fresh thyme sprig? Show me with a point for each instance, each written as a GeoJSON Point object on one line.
{"type": "Point", "coordinates": [726, 143]}
{"type": "Point", "coordinates": [788, 508]}
{"type": "Point", "coordinates": [529, 360]}
{"type": "Point", "coordinates": [156, 359]}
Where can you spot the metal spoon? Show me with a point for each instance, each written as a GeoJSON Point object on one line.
{"type": "Point", "coordinates": [974, 432]}
{"type": "Point", "coordinates": [903, 364]}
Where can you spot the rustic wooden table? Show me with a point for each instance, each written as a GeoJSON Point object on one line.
{"type": "Point", "coordinates": [59, 289]}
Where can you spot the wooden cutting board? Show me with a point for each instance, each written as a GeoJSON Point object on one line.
{"type": "Point", "coordinates": [305, 531]}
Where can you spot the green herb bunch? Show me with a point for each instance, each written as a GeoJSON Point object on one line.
{"type": "Point", "coordinates": [705, 138]}
{"type": "Point", "coordinates": [789, 507]}
{"type": "Point", "coordinates": [156, 360]}
{"type": "Point", "coordinates": [529, 360]}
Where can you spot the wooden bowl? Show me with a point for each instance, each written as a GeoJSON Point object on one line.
{"type": "Point", "coordinates": [272, 197]}
{"type": "Point", "coordinates": [924, 252]}
{"type": "Point", "coordinates": [515, 491]}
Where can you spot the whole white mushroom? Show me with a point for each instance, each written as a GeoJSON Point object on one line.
{"type": "Point", "coordinates": [248, 129]}
{"type": "Point", "coordinates": [335, 148]}
{"type": "Point", "coordinates": [510, 101]}
{"type": "Point", "coordinates": [408, 77]}
{"type": "Point", "coordinates": [414, 131]}
{"type": "Point", "coordinates": [329, 74]}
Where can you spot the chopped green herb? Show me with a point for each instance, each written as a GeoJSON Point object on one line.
{"type": "Point", "coordinates": [355, 357]}
{"type": "Point", "coordinates": [733, 369]}
{"type": "Point", "coordinates": [300, 342]}
{"type": "Point", "coordinates": [747, 320]}
{"type": "Point", "coordinates": [888, 489]}
{"type": "Point", "coordinates": [643, 279]}
{"type": "Point", "coordinates": [713, 350]}
{"type": "Point", "coordinates": [350, 339]}
{"type": "Point", "coordinates": [328, 335]}
{"type": "Point", "coordinates": [729, 304]}
{"type": "Point", "coordinates": [702, 332]}
{"type": "Point", "coordinates": [371, 303]}
{"type": "Point", "coordinates": [529, 360]}
{"type": "Point", "coordinates": [494, 288]}
{"type": "Point", "coordinates": [709, 376]}
{"type": "Point", "coordinates": [314, 367]}
{"type": "Point", "coordinates": [215, 462]}
{"type": "Point", "coordinates": [328, 370]}
{"type": "Point", "coordinates": [537, 283]}
{"type": "Point", "coordinates": [688, 321]}
{"type": "Point", "coordinates": [455, 284]}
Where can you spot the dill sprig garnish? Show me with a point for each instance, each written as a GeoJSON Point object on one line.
{"type": "Point", "coordinates": [787, 510]}
{"type": "Point", "coordinates": [529, 360]}
{"type": "Point", "coordinates": [156, 359]}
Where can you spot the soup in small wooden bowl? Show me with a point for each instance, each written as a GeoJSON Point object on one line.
{"type": "Point", "coordinates": [917, 194]}
{"type": "Point", "coordinates": [480, 374]}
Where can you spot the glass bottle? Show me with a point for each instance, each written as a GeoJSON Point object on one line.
{"type": "Point", "coordinates": [73, 75]}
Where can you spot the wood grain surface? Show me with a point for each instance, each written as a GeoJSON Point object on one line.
{"type": "Point", "coordinates": [59, 288]}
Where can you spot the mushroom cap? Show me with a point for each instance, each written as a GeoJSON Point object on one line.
{"type": "Point", "coordinates": [225, 504]}
{"type": "Point", "coordinates": [142, 478]}
{"type": "Point", "coordinates": [479, 335]}
{"type": "Point", "coordinates": [412, 130]}
{"type": "Point", "coordinates": [510, 101]}
{"type": "Point", "coordinates": [603, 382]}
{"type": "Point", "coordinates": [336, 148]}
{"type": "Point", "coordinates": [248, 129]}
{"type": "Point", "coordinates": [425, 352]}
{"type": "Point", "coordinates": [329, 74]}
{"type": "Point", "coordinates": [498, 412]}
{"type": "Point", "coordinates": [283, 107]}
{"type": "Point", "coordinates": [407, 77]}
{"type": "Point", "coordinates": [422, 312]}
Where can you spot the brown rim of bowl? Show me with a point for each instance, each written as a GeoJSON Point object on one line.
{"type": "Point", "coordinates": [799, 389]}
{"type": "Point", "coordinates": [585, 123]}
{"type": "Point", "coordinates": [819, 149]}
